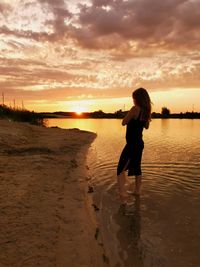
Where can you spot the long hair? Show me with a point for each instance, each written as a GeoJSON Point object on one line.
{"type": "Point", "coordinates": [143, 100]}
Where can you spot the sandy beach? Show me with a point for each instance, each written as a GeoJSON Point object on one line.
{"type": "Point", "coordinates": [45, 216]}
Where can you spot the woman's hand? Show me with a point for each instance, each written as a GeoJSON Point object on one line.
{"type": "Point", "coordinates": [146, 126]}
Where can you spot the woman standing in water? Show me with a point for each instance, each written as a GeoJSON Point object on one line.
{"type": "Point", "coordinates": [136, 120]}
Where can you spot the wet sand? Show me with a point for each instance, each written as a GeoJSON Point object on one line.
{"type": "Point", "coordinates": [45, 212]}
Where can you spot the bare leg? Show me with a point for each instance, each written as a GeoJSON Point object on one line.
{"type": "Point", "coordinates": [138, 182]}
{"type": "Point", "coordinates": [121, 181]}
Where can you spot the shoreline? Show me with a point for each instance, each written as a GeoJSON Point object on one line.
{"type": "Point", "coordinates": [46, 214]}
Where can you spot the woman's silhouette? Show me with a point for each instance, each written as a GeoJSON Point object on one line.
{"type": "Point", "coordinates": [136, 120]}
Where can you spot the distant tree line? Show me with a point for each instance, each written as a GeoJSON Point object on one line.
{"type": "Point", "coordinates": [96, 114]}
{"type": "Point", "coordinates": [181, 115]}
{"type": "Point", "coordinates": [32, 117]}
{"type": "Point", "coordinates": [165, 113]}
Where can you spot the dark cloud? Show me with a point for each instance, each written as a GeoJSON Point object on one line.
{"type": "Point", "coordinates": [99, 3]}
{"type": "Point", "coordinates": [114, 24]}
{"type": "Point", "coordinates": [169, 24]}
{"type": "Point", "coordinates": [60, 12]}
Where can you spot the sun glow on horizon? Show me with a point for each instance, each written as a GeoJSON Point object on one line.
{"type": "Point", "coordinates": [78, 113]}
{"type": "Point", "coordinates": [177, 100]}
{"type": "Point", "coordinates": [78, 108]}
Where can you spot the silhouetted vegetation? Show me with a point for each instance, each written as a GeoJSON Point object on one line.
{"type": "Point", "coordinates": [185, 115]}
{"type": "Point", "coordinates": [96, 114]}
{"type": "Point", "coordinates": [21, 115]}
{"type": "Point", "coordinates": [120, 114]}
{"type": "Point", "coordinates": [165, 112]}
{"type": "Point", "coordinates": [101, 114]}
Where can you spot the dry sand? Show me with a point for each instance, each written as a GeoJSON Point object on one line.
{"type": "Point", "coordinates": [45, 219]}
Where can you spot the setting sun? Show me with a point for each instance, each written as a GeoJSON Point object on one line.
{"type": "Point", "coordinates": [78, 109]}
{"type": "Point", "coordinates": [78, 113]}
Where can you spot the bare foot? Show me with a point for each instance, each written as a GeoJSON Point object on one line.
{"type": "Point", "coordinates": [133, 193]}
{"type": "Point", "coordinates": [123, 198]}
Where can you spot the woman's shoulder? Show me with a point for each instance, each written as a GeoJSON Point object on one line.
{"type": "Point", "coordinates": [135, 111]}
{"type": "Point", "coordinates": [132, 114]}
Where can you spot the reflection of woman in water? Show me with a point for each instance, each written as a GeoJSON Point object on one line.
{"type": "Point", "coordinates": [128, 234]}
{"type": "Point", "coordinates": [137, 118]}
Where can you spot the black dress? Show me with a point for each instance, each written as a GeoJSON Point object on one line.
{"type": "Point", "coordinates": [133, 149]}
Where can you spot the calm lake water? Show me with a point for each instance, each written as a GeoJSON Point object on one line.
{"type": "Point", "coordinates": [162, 228]}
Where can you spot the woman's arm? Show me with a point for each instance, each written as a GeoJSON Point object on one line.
{"type": "Point", "coordinates": [133, 113]}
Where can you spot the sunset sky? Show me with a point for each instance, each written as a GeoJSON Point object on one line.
{"type": "Point", "coordinates": [88, 55]}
